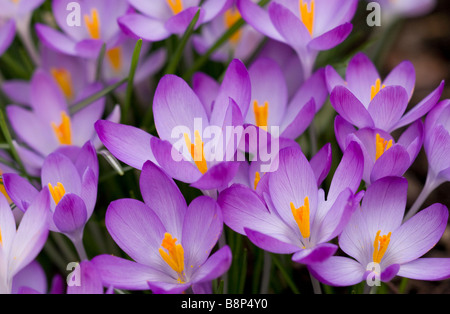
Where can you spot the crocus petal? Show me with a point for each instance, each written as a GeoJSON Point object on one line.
{"type": "Point", "coordinates": [217, 177]}
{"type": "Point", "coordinates": [140, 26]}
{"type": "Point", "coordinates": [301, 121]}
{"type": "Point", "coordinates": [389, 272]}
{"type": "Point", "coordinates": [178, 24]}
{"type": "Point", "coordinates": [394, 162]}
{"type": "Point", "coordinates": [32, 277]}
{"type": "Point", "coordinates": [216, 265]}
{"type": "Point", "coordinates": [333, 78]}
{"type": "Point", "coordinates": [331, 38]}
{"type": "Point", "coordinates": [89, 48]}
{"type": "Point", "coordinates": [206, 89]}
{"type": "Point", "coordinates": [70, 215]}
{"type": "Point", "coordinates": [338, 271]}
{"type": "Point", "coordinates": [7, 33]}
{"type": "Point", "coordinates": [350, 108]}
{"type": "Point", "coordinates": [89, 281]}
{"type": "Point", "coordinates": [124, 274]}
{"type": "Point", "coordinates": [412, 139]}
{"type": "Point", "coordinates": [437, 148]}
{"type": "Point", "coordinates": [167, 287]}
{"type": "Point", "coordinates": [89, 186]}
{"type": "Point", "coordinates": [20, 190]}
{"type": "Point", "coordinates": [426, 269]}
{"type": "Point", "coordinates": [59, 168]}
{"type": "Point", "coordinates": [388, 106]}
{"type": "Point", "coordinates": [318, 254]}
{"type": "Point", "coordinates": [198, 242]}
{"type": "Point", "coordinates": [321, 163]}
{"type": "Point", "coordinates": [269, 243]}
{"type": "Point", "coordinates": [403, 75]}
{"type": "Point", "coordinates": [342, 129]}
{"type": "Point", "coordinates": [56, 40]}
{"type": "Point", "coordinates": [18, 91]}
{"type": "Point", "coordinates": [7, 224]}
{"type": "Point", "coordinates": [127, 143]}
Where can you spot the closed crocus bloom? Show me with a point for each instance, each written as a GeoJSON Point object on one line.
{"type": "Point", "coordinates": [72, 181]}
{"type": "Point", "coordinates": [85, 25]}
{"type": "Point", "coordinates": [380, 246]}
{"type": "Point", "coordinates": [158, 19]}
{"type": "Point", "coordinates": [49, 125]}
{"type": "Point", "coordinates": [383, 155]}
{"type": "Point", "coordinates": [365, 100]}
{"type": "Point", "coordinates": [169, 241]}
{"type": "Point", "coordinates": [293, 216]}
{"type": "Point", "coordinates": [308, 26]}
{"type": "Point", "coordinates": [20, 246]}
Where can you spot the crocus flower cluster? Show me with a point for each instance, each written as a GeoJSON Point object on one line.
{"type": "Point", "coordinates": [170, 146]}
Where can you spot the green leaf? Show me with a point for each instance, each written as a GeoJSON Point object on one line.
{"type": "Point", "coordinates": [132, 72]}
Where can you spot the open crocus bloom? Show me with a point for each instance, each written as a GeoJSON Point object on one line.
{"type": "Point", "coordinates": [293, 216]}
{"type": "Point", "coordinates": [365, 100]}
{"type": "Point", "coordinates": [49, 126]}
{"type": "Point", "coordinates": [86, 26]}
{"type": "Point", "coordinates": [383, 155]}
{"type": "Point", "coordinates": [20, 246]}
{"type": "Point", "coordinates": [158, 19]}
{"type": "Point", "coordinates": [380, 246]}
{"type": "Point", "coordinates": [307, 26]}
{"type": "Point", "coordinates": [169, 241]}
{"type": "Point", "coordinates": [72, 181]}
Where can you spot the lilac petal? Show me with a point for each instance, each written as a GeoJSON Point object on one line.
{"type": "Point", "coordinates": [338, 271]}
{"type": "Point", "coordinates": [7, 34]}
{"type": "Point", "coordinates": [167, 287]}
{"type": "Point", "coordinates": [350, 108]}
{"type": "Point", "coordinates": [321, 163]}
{"type": "Point", "coordinates": [215, 266]}
{"type": "Point", "coordinates": [421, 109]}
{"type": "Point", "coordinates": [394, 162]}
{"type": "Point", "coordinates": [289, 26]}
{"type": "Point", "coordinates": [214, 8]}
{"type": "Point", "coordinates": [31, 277]}
{"type": "Point", "coordinates": [59, 168]}
{"type": "Point", "coordinates": [202, 288]}
{"type": "Point", "coordinates": [163, 196]}
{"type": "Point", "coordinates": [217, 177]}
{"type": "Point", "coordinates": [139, 26]}
{"type": "Point", "coordinates": [178, 24]}
{"type": "Point", "coordinates": [258, 18]}
{"type": "Point", "coordinates": [412, 139]}
{"type": "Point", "coordinates": [206, 89]}
{"type": "Point", "coordinates": [128, 222]}
{"type": "Point", "coordinates": [407, 243]}
{"type": "Point", "coordinates": [403, 75]}
{"type": "Point", "coordinates": [292, 182]}
{"type": "Point", "coordinates": [89, 48]}
{"type": "Point", "coordinates": [318, 254]}
{"type": "Point", "coordinates": [173, 162]}
{"type": "Point", "coordinates": [426, 269]}
{"type": "Point", "coordinates": [202, 227]}
{"type": "Point", "coordinates": [331, 38]}
{"type": "Point", "coordinates": [87, 158]}
{"type": "Point", "coordinates": [349, 172]}
{"type": "Point", "coordinates": [389, 272]}
{"type": "Point", "coordinates": [342, 130]}
{"type": "Point", "coordinates": [333, 78]}
{"type": "Point", "coordinates": [269, 243]}
{"type": "Point", "coordinates": [301, 121]}
{"type": "Point", "coordinates": [20, 190]}
{"type": "Point", "coordinates": [89, 187]}
{"type": "Point", "coordinates": [31, 234]}
{"type": "Point", "coordinates": [127, 143]}
{"type": "Point", "coordinates": [437, 148]}
{"type": "Point", "coordinates": [56, 40]}
{"type": "Point", "coordinates": [388, 106]}
{"type": "Point", "coordinates": [70, 215]}
{"type": "Point", "coordinates": [124, 274]}
{"type": "Point", "coordinates": [242, 208]}
{"type": "Point", "coordinates": [60, 12]}
{"type": "Point", "coordinates": [361, 75]}
{"type": "Point", "coordinates": [156, 9]}
{"type": "Point", "coordinates": [18, 91]}
{"type": "Point", "coordinates": [176, 107]}
{"type": "Point", "coordinates": [90, 281]}
{"type": "Point", "coordinates": [7, 225]}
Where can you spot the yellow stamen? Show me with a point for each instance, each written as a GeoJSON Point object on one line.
{"type": "Point", "coordinates": [63, 131]}
{"type": "Point", "coordinates": [257, 178]}
{"type": "Point", "coordinates": [115, 58]}
{"type": "Point", "coordinates": [57, 192]}
{"type": "Point", "coordinates": [64, 80]}
{"type": "Point", "coordinates": [380, 246]}
{"type": "Point", "coordinates": [93, 24]}
{"type": "Point", "coordinates": [381, 146]}
{"type": "Point", "coordinates": [15, 1]}
{"type": "Point", "coordinates": [196, 151]}
{"type": "Point", "coordinates": [301, 216]}
{"type": "Point", "coordinates": [175, 5]}
{"type": "Point", "coordinates": [231, 16]}
{"type": "Point", "coordinates": [375, 89]}
{"type": "Point", "coordinates": [174, 257]}
{"type": "Point", "coordinates": [307, 15]}
{"type": "Point", "coordinates": [261, 114]}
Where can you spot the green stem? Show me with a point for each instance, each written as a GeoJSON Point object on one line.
{"type": "Point", "coordinates": [132, 72]}
{"type": "Point", "coordinates": [101, 57]}
{"type": "Point", "coordinates": [285, 274]}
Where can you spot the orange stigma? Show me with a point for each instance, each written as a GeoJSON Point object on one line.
{"type": "Point", "coordinates": [115, 58]}
{"type": "Point", "coordinates": [93, 24]}
{"type": "Point", "coordinates": [196, 151]}
{"type": "Point", "coordinates": [301, 216]}
{"type": "Point", "coordinates": [64, 80]}
{"type": "Point", "coordinates": [57, 192]}
{"type": "Point", "coordinates": [375, 89]}
{"type": "Point", "coordinates": [175, 5]}
{"type": "Point", "coordinates": [231, 16]}
{"type": "Point", "coordinates": [380, 246]}
{"type": "Point", "coordinates": [173, 255]}
{"type": "Point", "coordinates": [261, 114]}
{"type": "Point", "coordinates": [381, 146]}
{"type": "Point", "coordinates": [307, 15]}
{"type": "Point", "coordinates": [63, 131]}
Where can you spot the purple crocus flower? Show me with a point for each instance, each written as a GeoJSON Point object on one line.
{"type": "Point", "coordinates": [383, 155]}
{"type": "Point", "coordinates": [158, 19]}
{"type": "Point", "coordinates": [380, 246]}
{"type": "Point", "coordinates": [293, 216]}
{"type": "Point", "coordinates": [7, 33]}
{"type": "Point", "coordinates": [183, 120]}
{"type": "Point", "coordinates": [364, 100]}
{"type": "Point", "coordinates": [49, 125]}
{"type": "Point", "coordinates": [169, 241]}
{"type": "Point", "coordinates": [307, 26]}
{"type": "Point", "coordinates": [19, 247]}
{"type": "Point", "coordinates": [89, 281]}
{"type": "Point", "coordinates": [72, 180]}
{"type": "Point", "coordinates": [86, 26]}
{"type": "Point", "coordinates": [240, 46]}
{"type": "Point", "coordinates": [31, 279]}
{"type": "Point", "coordinates": [437, 148]}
